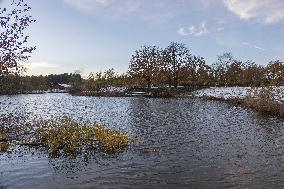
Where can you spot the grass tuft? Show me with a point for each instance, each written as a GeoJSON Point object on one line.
{"type": "Point", "coordinates": [63, 134]}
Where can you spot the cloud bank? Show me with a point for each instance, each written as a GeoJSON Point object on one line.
{"type": "Point", "coordinates": [155, 10]}
{"type": "Point", "coordinates": [266, 11]}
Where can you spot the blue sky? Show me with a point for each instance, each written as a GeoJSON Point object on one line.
{"type": "Point", "coordinates": [94, 35]}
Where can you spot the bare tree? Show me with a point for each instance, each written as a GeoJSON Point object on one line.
{"type": "Point", "coordinates": [145, 64]}
{"type": "Point", "coordinates": [195, 72]}
{"type": "Point", "coordinates": [220, 68]}
{"type": "Point", "coordinates": [13, 41]}
{"type": "Point", "coordinates": [275, 72]}
{"type": "Point", "coordinates": [174, 57]}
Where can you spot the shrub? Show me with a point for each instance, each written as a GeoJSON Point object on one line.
{"type": "Point", "coordinates": [263, 100]}
{"type": "Point", "coordinates": [162, 93]}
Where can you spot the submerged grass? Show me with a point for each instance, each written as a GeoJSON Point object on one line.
{"type": "Point", "coordinates": [110, 140]}
{"type": "Point", "coordinates": [4, 145]}
{"type": "Point", "coordinates": [3, 134]}
{"type": "Point", "coordinates": [66, 136]}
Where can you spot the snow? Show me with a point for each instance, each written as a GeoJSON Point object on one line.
{"type": "Point", "coordinates": [113, 89]}
{"type": "Point", "coordinates": [236, 92]}
{"type": "Point", "coordinates": [64, 85]}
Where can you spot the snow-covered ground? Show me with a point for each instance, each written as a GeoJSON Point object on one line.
{"type": "Point", "coordinates": [235, 92]}
{"type": "Point", "coordinates": [113, 90]}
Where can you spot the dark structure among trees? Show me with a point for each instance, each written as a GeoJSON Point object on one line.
{"type": "Point", "coordinates": [15, 84]}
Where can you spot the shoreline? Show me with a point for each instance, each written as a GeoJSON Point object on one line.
{"type": "Point", "coordinates": [276, 111]}
{"type": "Point", "coordinates": [266, 107]}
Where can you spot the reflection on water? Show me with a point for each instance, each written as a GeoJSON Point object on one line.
{"type": "Point", "coordinates": [188, 143]}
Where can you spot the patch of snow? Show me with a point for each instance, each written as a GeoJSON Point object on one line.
{"type": "Point", "coordinates": [236, 92]}
{"type": "Point", "coordinates": [64, 85]}
{"type": "Point", "coordinates": [113, 89]}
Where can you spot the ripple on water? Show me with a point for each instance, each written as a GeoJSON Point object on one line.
{"type": "Point", "coordinates": [187, 143]}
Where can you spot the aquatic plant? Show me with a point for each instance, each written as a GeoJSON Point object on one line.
{"type": "Point", "coordinates": [64, 134]}
{"type": "Point", "coordinates": [4, 145]}
{"type": "Point", "coordinates": [110, 140]}
{"type": "Point", "coordinates": [61, 135]}
{"type": "Point", "coordinates": [3, 134]}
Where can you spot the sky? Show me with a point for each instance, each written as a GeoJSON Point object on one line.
{"type": "Point", "coordinates": [95, 35]}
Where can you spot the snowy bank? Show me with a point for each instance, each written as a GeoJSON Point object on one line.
{"type": "Point", "coordinates": [111, 89]}
{"type": "Point", "coordinates": [236, 92]}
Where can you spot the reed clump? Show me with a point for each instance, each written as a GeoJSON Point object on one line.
{"type": "Point", "coordinates": [61, 135]}
{"type": "Point", "coordinates": [110, 140]}
{"type": "Point", "coordinates": [264, 100]}
{"type": "Point", "coordinates": [4, 145]}
{"type": "Point", "coordinates": [68, 136]}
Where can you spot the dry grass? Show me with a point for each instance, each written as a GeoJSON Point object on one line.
{"type": "Point", "coordinates": [263, 101]}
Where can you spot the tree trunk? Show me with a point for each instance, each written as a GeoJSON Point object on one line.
{"type": "Point", "coordinates": [149, 83]}
{"type": "Point", "coordinates": [282, 110]}
{"type": "Point", "coordinates": [170, 81]}
{"type": "Point", "coordinates": [176, 76]}
{"type": "Point", "coordinates": [176, 80]}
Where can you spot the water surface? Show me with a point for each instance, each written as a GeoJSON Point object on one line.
{"type": "Point", "coordinates": [188, 143]}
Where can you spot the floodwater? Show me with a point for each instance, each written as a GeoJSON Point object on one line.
{"type": "Point", "coordinates": [187, 143]}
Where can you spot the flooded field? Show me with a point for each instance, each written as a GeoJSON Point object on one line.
{"type": "Point", "coordinates": [187, 143]}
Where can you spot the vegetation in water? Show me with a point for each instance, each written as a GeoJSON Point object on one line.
{"type": "Point", "coordinates": [4, 145]}
{"type": "Point", "coordinates": [265, 100]}
{"type": "Point", "coordinates": [65, 136]}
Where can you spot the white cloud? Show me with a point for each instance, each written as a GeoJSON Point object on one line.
{"type": "Point", "coordinates": [259, 48]}
{"type": "Point", "coordinates": [89, 4]}
{"type": "Point", "coordinates": [192, 30]}
{"type": "Point", "coordinates": [266, 11]}
{"type": "Point", "coordinates": [245, 43]}
{"type": "Point", "coordinates": [186, 31]}
{"type": "Point", "coordinates": [220, 25]}
{"type": "Point", "coordinates": [158, 17]}
{"type": "Point", "coordinates": [219, 29]}
{"type": "Point", "coordinates": [42, 65]}
{"type": "Point", "coordinates": [146, 10]}
{"type": "Point", "coordinates": [253, 46]}
{"type": "Point", "coordinates": [113, 8]}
